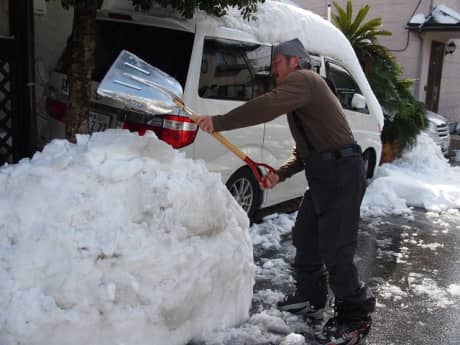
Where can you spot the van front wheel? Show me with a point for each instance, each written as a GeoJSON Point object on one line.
{"type": "Point", "coordinates": [245, 189]}
{"type": "Point", "coordinates": [369, 163]}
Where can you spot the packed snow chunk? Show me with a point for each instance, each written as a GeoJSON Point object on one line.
{"type": "Point", "coordinates": [294, 339]}
{"type": "Point", "coordinates": [119, 239]}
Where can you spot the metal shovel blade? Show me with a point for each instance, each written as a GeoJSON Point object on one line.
{"type": "Point", "coordinates": [139, 86]}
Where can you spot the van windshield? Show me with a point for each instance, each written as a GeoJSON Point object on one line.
{"type": "Point", "coordinates": [166, 49]}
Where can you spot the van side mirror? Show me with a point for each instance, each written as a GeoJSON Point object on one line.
{"type": "Point", "coordinates": [358, 101]}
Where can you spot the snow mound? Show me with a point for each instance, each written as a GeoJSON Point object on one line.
{"type": "Point", "coordinates": [422, 177]}
{"type": "Point", "coordinates": [119, 239]}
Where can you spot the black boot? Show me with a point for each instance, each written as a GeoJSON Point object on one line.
{"type": "Point", "coordinates": [299, 304]}
{"type": "Point", "coordinates": [351, 323]}
{"type": "Point", "coordinates": [337, 331]}
{"type": "Point", "coordinates": [310, 297]}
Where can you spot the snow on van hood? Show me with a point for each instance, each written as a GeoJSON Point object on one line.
{"type": "Point", "coordinates": [277, 22]}
{"type": "Point", "coordinates": [118, 240]}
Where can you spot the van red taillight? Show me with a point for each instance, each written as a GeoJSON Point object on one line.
{"type": "Point", "coordinates": [56, 109]}
{"type": "Point", "coordinates": [177, 131]}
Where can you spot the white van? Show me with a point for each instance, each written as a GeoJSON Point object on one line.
{"type": "Point", "coordinates": [219, 69]}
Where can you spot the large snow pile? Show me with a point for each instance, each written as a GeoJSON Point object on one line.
{"type": "Point", "coordinates": [119, 239]}
{"type": "Point", "coordinates": [422, 177]}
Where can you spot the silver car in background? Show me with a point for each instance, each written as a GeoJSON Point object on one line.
{"type": "Point", "coordinates": [438, 130]}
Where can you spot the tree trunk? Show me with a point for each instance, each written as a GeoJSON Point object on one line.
{"type": "Point", "coordinates": [81, 70]}
{"type": "Point", "coordinates": [390, 151]}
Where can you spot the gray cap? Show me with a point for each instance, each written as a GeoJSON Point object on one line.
{"type": "Point", "coordinates": [294, 48]}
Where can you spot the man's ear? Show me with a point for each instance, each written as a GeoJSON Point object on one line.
{"type": "Point", "coordinates": [295, 62]}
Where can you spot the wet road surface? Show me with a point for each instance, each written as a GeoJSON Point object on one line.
{"type": "Point", "coordinates": [413, 266]}
{"type": "Point", "coordinates": [411, 263]}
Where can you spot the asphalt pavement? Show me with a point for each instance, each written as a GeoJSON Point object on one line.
{"type": "Point", "coordinates": [411, 263]}
{"type": "Point", "coordinates": [413, 266]}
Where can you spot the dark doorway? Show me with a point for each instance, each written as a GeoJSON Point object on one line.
{"type": "Point", "coordinates": [434, 76]}
{"type": "Point", "coordinates": [17, 106]}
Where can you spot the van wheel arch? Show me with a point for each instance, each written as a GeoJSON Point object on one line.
{"type": "Point", "coordinates": [369, 158]}
{"type": "Point", "coordinates": [245, 189]}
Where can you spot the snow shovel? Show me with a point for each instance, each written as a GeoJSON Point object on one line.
{"type": "Point", "coordinates": [142, 87]}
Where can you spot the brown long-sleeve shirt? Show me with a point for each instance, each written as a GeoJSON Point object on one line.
{"type": "Point", "coordinates": [319, 114]}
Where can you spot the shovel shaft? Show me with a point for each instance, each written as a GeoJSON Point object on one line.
{"type": "Point", "coordinates": [254, 166]}
{"type": "Point", "coordinates": [224, 141]}
{"type": "Point", "coordinates": [240, 154]}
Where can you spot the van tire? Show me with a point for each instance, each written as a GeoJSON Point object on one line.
{"type": "Point", "coordinates": [246, 191]}
{"type": "Point", "coordinates": [369, 163]}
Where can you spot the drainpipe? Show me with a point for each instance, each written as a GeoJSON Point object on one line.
{"type": "Point", "coordinates": [329, 11]}
{"type": "Point", "coordinates": [418, 77]}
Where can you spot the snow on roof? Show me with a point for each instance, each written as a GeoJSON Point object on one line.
{"type": "Point", "coordinates": [277, 22]}
{"type": "Point", "coordinates": [419, 18]}
{"type": "Point", "coordinates": [440, 15]}
{"type": "Point", "coordinates": [445, 15]}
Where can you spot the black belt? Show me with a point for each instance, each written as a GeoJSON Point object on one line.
{"type": "Point", "coordinates": [353, 150]}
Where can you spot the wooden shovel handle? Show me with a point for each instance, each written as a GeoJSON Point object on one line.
{"type": "Point", "coordinates": [224, 141]}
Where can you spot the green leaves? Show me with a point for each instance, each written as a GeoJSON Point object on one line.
{"type": "Point", "coordinates": [185, 7]}
{"type": "Point", "coordinates": [362, 35]}
{"type": "Point", "coordinates": [213, 7]}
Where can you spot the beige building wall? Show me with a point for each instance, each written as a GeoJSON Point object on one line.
{"type": "Point", "coordinates": [449, 103]}
{"type": "Point", "coordinates": [412, 50]}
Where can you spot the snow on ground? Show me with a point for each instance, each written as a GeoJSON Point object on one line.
{"type": "Point", "coordinates": [107, 240]}
{"type": "Point", "coordinates": [388, 291]}
{"type": "Point", "coordinates": [422, 177]}
{"type": "Point", "coordinates": [425, 287]}
{"type": "Point", "coordinates": [117, 240]}
{"type": "Point", "coordinates": [424, 168]}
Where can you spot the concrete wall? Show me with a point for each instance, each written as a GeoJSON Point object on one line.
{"type": "Point", "coordinates": [411, 50]}
{"type": "Point", "coordinates": [449, 103]}
{"type": "Point", "coordinates": [51, 32]}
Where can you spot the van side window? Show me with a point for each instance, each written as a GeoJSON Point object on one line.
{"type": "Point", "coordinates": [234, 70]}
{"type": "Point", "coordinates": [152, 44]}
{"type": "Point", "coordinates": [344, 83]}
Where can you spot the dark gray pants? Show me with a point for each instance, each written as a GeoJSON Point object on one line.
{"type": "Point", "coordinates": [325, 235]}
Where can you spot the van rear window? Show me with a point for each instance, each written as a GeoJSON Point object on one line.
{"type": "Point", "coordinates": [166, 49]}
